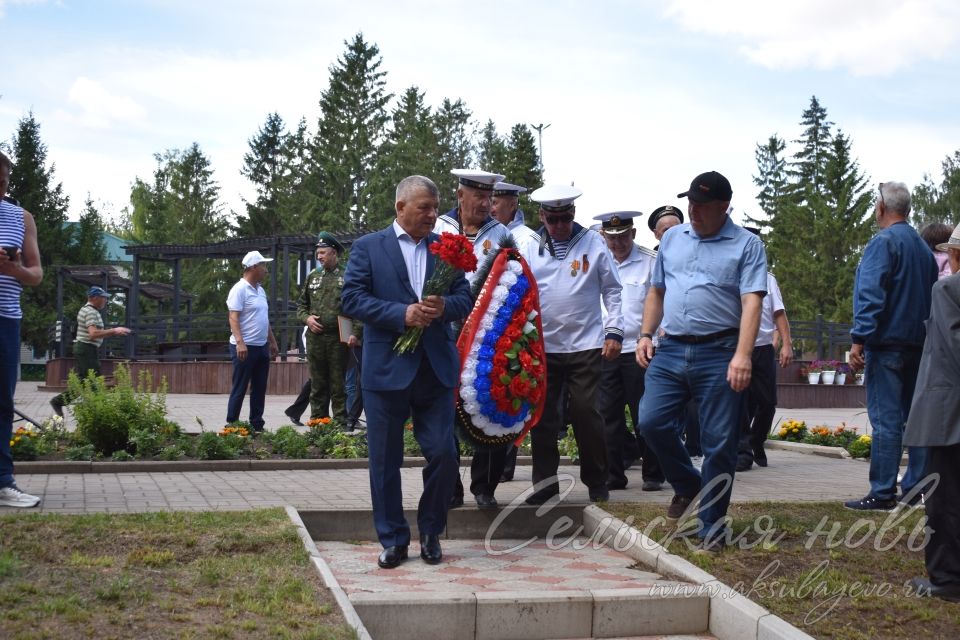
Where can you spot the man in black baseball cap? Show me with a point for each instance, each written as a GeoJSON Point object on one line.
{"type": "Point", "coordinates": [708, 187]}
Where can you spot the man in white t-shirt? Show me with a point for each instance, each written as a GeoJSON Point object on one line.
{"type": "Point", "coordinates": [249, 337]}
{"type": "Point", "coordinates": [761, 396]}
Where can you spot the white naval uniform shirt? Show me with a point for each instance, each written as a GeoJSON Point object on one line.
{"type": "Point", "coordinates": [570, 298]}
{"type": "Point", "coordinates": [522, 232]}
{"type": "Point", "coordinates": [635, 273]}
{"type": "Point", "coordinates": [772, 302]}
{"type": "Point", "coordinates": [485, 244]}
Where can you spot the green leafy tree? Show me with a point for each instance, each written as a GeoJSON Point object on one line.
{"type": "Point", "coordinates": [351, 128]}
{"type": "Point", "coordinates": [182, 206]}
{"type": "Point", "coordinates": [411, 147]}
{"type": "Point", "coordinates": [939, 203]}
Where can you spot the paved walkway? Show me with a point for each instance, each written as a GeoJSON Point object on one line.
{"type": "Point", "coordinates": [190, 409]}
{"type": "Point", "coordinates": [790, 476]}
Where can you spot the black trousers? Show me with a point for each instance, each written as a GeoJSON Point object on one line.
{"type": "Point", "coordinates": [575, 375]}
{"type": "Point", "coordinates": [302, 402]}
{"type": "Point", "coordinates": [760, 402]}
{"type": "Point", "coordinates": [510, 466]}
{"type": "Point", "coordinates": [486, 469]}
{"type": "Point", "coordinates": [621, 385]}
{"type": "Point", "coordinates": [942, 554]}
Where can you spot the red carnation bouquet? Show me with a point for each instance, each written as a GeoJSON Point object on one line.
{"type": "Point", "coordinates": [456, 256]}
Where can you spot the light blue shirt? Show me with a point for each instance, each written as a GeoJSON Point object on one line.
{"type": "Point", "coordinates": [414, 257]}
{"type": "Point", "coordinates": [703, 278]}
{"type": "Point", "coordinates": [254, 310]}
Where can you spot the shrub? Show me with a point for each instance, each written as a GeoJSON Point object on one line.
{"type": "Point", "coordinates": [860, 448]}
{"type": "Point", "coordinates": [211, 446]}
{"type": "Point", "coordinates": [121, 455]}
{"type": "Point", "coordinates": [568, 446]}
{"type": "Point", "coordinates": [288, 442]}
{"type": "Point", "coordinates": [53, 433]}
{"type": "Point", "coordinates": [150, 440]}
{"type": "Point", "coordinates": [410, 445]}
{"type": "Point", "coordinates": [347, 446]}
{"type": "Point", "coordinates": [172, 452]}
{"type": "Point", "coordinates": [105, 416]}
{"type": "Point", "coordinates": [80, 452]}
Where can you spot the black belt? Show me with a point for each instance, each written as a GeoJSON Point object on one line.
{"type": "Point", "coordinates": [710, 337]}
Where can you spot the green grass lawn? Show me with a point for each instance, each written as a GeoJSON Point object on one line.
{"type": "Point", "coordinates": [834, 573]}
{"type": "Point", "coordinates": [161, 575]}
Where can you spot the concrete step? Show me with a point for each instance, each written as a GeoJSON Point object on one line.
{"type": "Point", "coordinates": [513, 588]}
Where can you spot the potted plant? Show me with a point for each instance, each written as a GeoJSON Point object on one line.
{"type": "Point", "coordinates": [842, 371]}
{"type": "Point", "coordinates": [857, 374]}
{"type": "Point", "coordinates": [828, 371]}
{"type": "Point", "coordinates": [813, 372]}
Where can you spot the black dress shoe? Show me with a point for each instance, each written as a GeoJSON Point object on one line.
{"type": "Point", "coordinates": [391, 557]}
{"type": "Point", "coordinates": [542, 495]}
{"type": "Point", "coordinates": [651, 485]}
{"type": "Point", "coordinates": [505, 477]}
{"type": "Point", "coordinates": [456, 501]}
{"type": "Point", "coordinates": [616, 485]}
{"type": "Point", "coordinates": [743, 464]}
{"type": "Point", "coordinates": [923, 587]}
{"type": "Point", "coordinates": [486, 501]}
{"type": "Point", "coordinates": [599, 494]}
{"type": "Point", "coordinates": [430, 548]}
{"type": "Point", "coordinates": [760, 457]}
{"type": "Point", "coordinates": [293, 419]}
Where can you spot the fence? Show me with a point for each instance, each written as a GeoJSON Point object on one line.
{"type": "Point", "coordinates": [829, 340]}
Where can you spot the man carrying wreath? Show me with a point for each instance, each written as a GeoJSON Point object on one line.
{"type": "Point", "coordinates": [382, 287]}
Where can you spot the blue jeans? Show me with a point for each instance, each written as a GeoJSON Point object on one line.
{"type": "Point", "coordinates": [891, 377]}
{"type": "Point", "coordinates": [252, 372]}
{"type": "Point", "coordinates": [677, 373]}
{"type": "Point", "coordinates": [9, 363]}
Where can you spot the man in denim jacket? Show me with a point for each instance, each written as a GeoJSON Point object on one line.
{"type": "Point", "coordinates": [891, 302]}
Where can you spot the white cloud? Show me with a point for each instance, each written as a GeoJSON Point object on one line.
{"type": "Point", "coordinates": [868, 37]}
{"type": "Point", "coordinates": [7, 3]}
{"type": "Point", "coordinates": [99, 108]}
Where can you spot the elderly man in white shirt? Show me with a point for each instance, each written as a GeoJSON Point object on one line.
{"type": "Point", "coordinates": [574, 273]}
{"type": "Point", "coordinates": [621, 380]}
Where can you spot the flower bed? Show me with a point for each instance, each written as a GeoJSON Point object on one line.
{"type": "Point", "coordinates": [842, 436]}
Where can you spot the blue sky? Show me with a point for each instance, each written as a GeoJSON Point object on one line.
{"type": "Point", "coordinates": [640, 96]}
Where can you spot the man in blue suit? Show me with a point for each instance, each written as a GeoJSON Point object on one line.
{"type": "Point", "coordinates": [382, 288]}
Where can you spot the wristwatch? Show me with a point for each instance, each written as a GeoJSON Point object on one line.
{"type": "Point", "coordinates": [645, 335]}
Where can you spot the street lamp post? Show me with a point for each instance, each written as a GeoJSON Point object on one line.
{"type": "Point", "coordinates": [539, 129]}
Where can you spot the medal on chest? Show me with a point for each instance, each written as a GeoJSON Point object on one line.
{"type": "Point", "coordinates": [580, 266]}
{"type": "Point", "coordinates": [486, 246]}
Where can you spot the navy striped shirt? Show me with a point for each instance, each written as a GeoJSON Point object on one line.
{"type": "Point", "coordinates": [11, 235]}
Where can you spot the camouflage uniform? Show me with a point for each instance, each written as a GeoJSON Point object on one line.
{"type": "Point", "coordinates": [326, 355]}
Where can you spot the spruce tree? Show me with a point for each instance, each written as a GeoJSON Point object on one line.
{"type": "Point", "coordinates": [491, 149]}
{"type": "Point", "coordinates": [32, 182]}
{"type": "Point", "coordinates": [939, 203]}
{"type": "Point", "coordinates": [810, 161]}
{"type": "Point", "coordinates": [523, 168]}
{"type": "Point", "coordinates": [266, 166]}
{"type": "Point", "coordinates": [350, 130]}
{"type": "Point", "coordinates": [771, 179]}
{"type": "Point", "coordinates": [452, 126]}
{"type": "Point", "coordinates": [411, 147]}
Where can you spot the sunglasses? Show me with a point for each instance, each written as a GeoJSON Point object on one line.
{"type": "Point", "coordinates": [562, 219]}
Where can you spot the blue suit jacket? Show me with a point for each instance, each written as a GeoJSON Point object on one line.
{"type": "Point", "coordinates": [377, 291]}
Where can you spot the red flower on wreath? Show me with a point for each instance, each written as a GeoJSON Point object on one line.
{"type": "Point", "coordinates": [525, 359]}
{"type": "Point", "coordinates": [519, 387]}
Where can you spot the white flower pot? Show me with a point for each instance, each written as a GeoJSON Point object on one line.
{"type": "Point", "coordinates": [840, 379]}
{"type": "Point", "coordinates": [828, 376]}
{"type": "Point", "coordinates": [859, 378]}
{"type": "Point", "coordinates": [813, 378]}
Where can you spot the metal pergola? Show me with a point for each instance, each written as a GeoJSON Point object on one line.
{"type": "Point", "coordinates": [280, 247]}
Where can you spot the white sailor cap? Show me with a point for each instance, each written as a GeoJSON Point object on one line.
{"type": "Point", "coordinates": [483, 180]}
{"type": "Point", "coordinates": [507, 189]}
{"type": "Point", "coordinates": [617, 222]}
{"type": "Point", "coordinates": [556, 197]}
